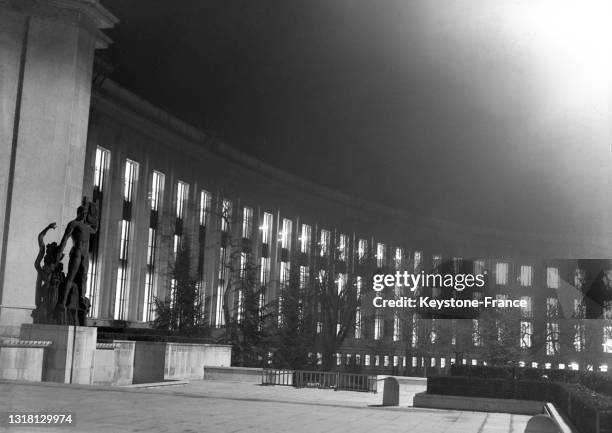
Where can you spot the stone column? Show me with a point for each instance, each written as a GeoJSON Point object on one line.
{"type": "Point", "coordinates": [46, 61]}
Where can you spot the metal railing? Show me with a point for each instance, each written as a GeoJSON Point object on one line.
{"type": "Point", "coordinates": [319, 379]}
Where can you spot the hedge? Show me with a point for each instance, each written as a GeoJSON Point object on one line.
{"type": "Point", "coordinates": [598, 382]}
{"type": "Point", "coordinates": [588, 410]}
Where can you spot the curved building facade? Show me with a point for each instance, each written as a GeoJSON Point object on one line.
{"type": "Point", "coordinates": [161, 182]}
{"type": "Point", "coordinates": [163, 185]}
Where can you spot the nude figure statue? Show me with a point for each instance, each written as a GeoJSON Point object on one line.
{"type": "Point", "coordinates": [79, 230]}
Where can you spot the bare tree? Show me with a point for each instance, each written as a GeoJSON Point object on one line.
{"type": "Point", "coordinates": [500, 331]}
{"type": "Point", "coordinates": [182, 309]}
{"type": "Point", "coordinates": [336, 306]}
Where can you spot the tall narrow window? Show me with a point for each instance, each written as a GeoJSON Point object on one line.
{"type": "Point", "coordinates": [526, 275]}
{"type": "Point", "coordinates": [526, 332]}
{"type": "Point", "coordinates": [341, 281]}
{"type": "Point", "coordinates": [101, 165]}
{"type": "Point", "coordinates": [358, 286]}
{"type": "Point", "coordinates": [205, 200]}
{"type": "Point", "coordinates": [157, 190]}
{"type": "Point", "coordinates": [362, 250]}
{"type": "Point", "coordinates": [172, 293]}
{"type": "Point", "coordinates": [204, 210]}
{"type": "Point", "coordinates": [418, 261]}
{"type": "Point", "coordinates": [240, 307]}
{"type": "Point", "coordinates": [380, 255]}
{"type": "Point", "coordinates": [552, 338]}
{"type": "Point", "coordinates": [129, 180]}
{"type": "Point", "coordinates": [284, 284]}
{"type": "Point", "coordinates": [324, 243]}
{"type": "Point", "coordinates": [579, 337]}
{"type": "Point", "coordinates": [476, 334]}
{"type": "Point", "coordinates": [149, 292]}
{"type": "Point", "coordinates": [155, 200]}
{"type": "Point", "coordinates": [243, 265]}
{"type": "Point", "coordinates": [342, 247]}
{"type": "Point", "coordinates": [122, 290]}
{"type": "Point", "coordinates": [176, 245]}
{"type": "Point", "coordinates": [501, 273]}
{"type": "Point", "coordinates": [398, 257]}
{"type": "Point", "coordinates": [285, 267]}
{"type": "Point", "coordinates": [226, 215]}
{"type": "Point", "coordinates": [304, 276]}
{"type": "Point", "coordinates": [433, 334]}
{"type": "Point", "coordinates": [101, 168]}
{"type": "Point", "coordinates": [305, 239]}
{"type": "Point", "coordinates": [607, 339]}
{"type": "Point", "coordinates": [457, 265]}
{"type": "Point", "coordinates": [579, 309]}
{"type": "Point", "coordinates": [266, 228]}
{"type": "Point", "coordinates": [579, 278]}
{"type": "Point", "coordinates": [552, 277]}
{"type": "Point", "coordinates": [285, 234]}
{"type": "Point", "coordinates": [415, 330]}
{"type": "Point", "coordinates": [378, 325]}
{"type": "Point", "coordinates": [182, 195]}
{"type": "Point", "coordinates": [124, 240]}
{"type": "Point", "coordinates": [396, 326]}
{"type": "Point", "coordinates": [247, 222]}
{"type": "Point", "coordinates": [552, 307]}
{"type": "Point", "coordinates": [436, 262]}
{"type": "Point", "coordinates": [358, 322]}
{"type": "Point", "coordinates": [219, 314]}
{"type": "Point", "coordinates": [264, 269]}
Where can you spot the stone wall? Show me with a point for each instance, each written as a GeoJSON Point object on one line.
{"type": "Point", "coordinates": [22, 360]}
{"type": "Point", "coordinates": [114, 363]}
{"type": "Point", "coordinates": [156, 362]}
{"type": "Point", "coordinates": [233, 374]}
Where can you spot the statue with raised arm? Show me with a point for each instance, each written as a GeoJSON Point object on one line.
{"type": "Point", "coordinates": [49, 266]}
{"type": "Point", "coordinates": [79, 231]}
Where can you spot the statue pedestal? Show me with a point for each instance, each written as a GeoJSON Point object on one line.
{"type": "Point", "coordinates": [70, 357]}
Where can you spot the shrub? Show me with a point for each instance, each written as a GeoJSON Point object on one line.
{"type": "Point", "coordinates": [588, 410]}
{"type": "Point", "coordinates": [598, 382]}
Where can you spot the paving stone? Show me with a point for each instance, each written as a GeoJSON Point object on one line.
{"type": "Point", "coordinates": [215, 406]}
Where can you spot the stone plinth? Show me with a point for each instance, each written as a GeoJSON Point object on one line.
{"type": "Point", "coordinates": [391, 392]}
{"type": "Point", "coordinates": [70, 357]}
{"type": "Point", "coordinates": [22, 360]}
{"type": "Point", "coordinates": [114, 363]}
{"type": "Point", "coordinates": [149, 362]}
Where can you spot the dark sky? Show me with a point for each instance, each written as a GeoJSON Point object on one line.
{"type": "Point", "coordinates": [487, 113]}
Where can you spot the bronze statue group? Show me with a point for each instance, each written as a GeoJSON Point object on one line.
{"type": "Point", "coordinates": [60, 297]}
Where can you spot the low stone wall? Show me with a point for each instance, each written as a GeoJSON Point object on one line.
{"type": "Point", "coordinates": [156, 362]}
{"type": "Point", "coordinates": [187, 361]}
{"type": "Point", "coordinates": [114, 363]}
{"type": "Point", "coordinates": [233, 374]}
{"type": "Point", "coordinates": [505, 405]}
{"type": "Point", "coordinates": [21, 359]}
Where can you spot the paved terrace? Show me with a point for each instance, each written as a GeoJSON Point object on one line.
{"type": "Point", "coordinates": [215, 406]}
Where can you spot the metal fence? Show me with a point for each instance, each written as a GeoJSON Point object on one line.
{"type": "Point", "coordinates": [319, 379]}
